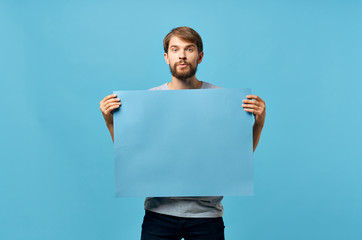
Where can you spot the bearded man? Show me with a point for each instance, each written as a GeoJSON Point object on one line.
{"type": "Point", "coordinates": [191, 218]}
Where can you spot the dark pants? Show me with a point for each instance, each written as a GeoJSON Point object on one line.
{"type": "Point", "coordinates": [164, 227]}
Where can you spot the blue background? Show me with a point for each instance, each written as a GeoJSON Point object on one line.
{"type": "Point", "coordinates": [58, 59]}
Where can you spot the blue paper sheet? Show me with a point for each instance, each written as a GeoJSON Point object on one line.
{"type": "Point", "coordinates": [195, 142]}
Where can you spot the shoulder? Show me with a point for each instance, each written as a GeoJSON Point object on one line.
{"type": "Point", "coordinates": [162, 87]}
{"type": "Point", "coordinates": [206, 85]}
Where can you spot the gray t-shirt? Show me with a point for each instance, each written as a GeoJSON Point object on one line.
{"type": "Point", "coordinates": [193, 207]}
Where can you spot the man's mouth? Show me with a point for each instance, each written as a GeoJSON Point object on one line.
{"type": "Point", "coordinates": [182, 65]}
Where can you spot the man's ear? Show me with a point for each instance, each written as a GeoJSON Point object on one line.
{"type": "Point", "coordinates": [201, 55]}
{"type": "Point", "coordinates": [166, 58]}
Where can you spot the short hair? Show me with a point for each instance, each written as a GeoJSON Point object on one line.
{"type": "Point", "coordinates": [186, 34]}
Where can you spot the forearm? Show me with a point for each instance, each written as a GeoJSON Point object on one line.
{"type": "Point", "coordinates": [257, 128]}
{"type": "Point", "coordinates": [255, 105]}
{"type": "Point", "coordinates": [110, 128]}
{"type": "Point", "coordinates": [107, 105]}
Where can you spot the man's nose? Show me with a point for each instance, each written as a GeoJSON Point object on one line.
{"type": "Point", "coordinates": [182, 55]}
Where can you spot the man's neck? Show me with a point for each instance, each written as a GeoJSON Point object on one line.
{"type": "Point", "coordinates": [190, 83]}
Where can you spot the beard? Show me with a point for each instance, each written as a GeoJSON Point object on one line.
{"type": "Point", "coordinates": [185, 73]}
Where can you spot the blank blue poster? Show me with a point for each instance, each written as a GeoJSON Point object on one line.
{"type": "Point", "coordinates": [195, 142]}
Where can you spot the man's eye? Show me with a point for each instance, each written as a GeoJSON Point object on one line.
{"type": "Point", "coordinates": [190, 49]}
{"type": "Point", "coordinates": [174, 50]}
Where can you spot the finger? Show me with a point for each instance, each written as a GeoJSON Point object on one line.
{"type": "Point", "coordinates": [251, 106]}
{"type": "Point", "coordinates": [260, 109]}
{"type": "Point", "coordinates": [109, 97]}
{"type": "Point", "coordinates": [112, 104]}
{"type": "Point", "coordinates": [249, 110]}
{"type": "Point", "coordinates": [110, 109]}
{"type": "Point", "coordinates": [253, 102]}
{"type": "Point", "coordinates": [104, 107]}
{"type": "Point", "coordinates": [255, 97]}
{"type": "Point", "coordinates": [254, 111]}
{"type": "Point", "coordinates": [252, 96]}
{"type": "Point", "coordinates": [112, 100]}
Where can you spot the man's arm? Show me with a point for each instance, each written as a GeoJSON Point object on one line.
{"type": "Point", "coordinates": [255, 105]}
{"type": "Point", "coordinates": [107, 105]}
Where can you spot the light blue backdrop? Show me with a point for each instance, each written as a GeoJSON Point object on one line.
{"type": "Point", "coordinates": [58, 59]}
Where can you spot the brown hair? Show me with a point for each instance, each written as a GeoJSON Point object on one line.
{"type": "Point", "coordinates": [186, 34]}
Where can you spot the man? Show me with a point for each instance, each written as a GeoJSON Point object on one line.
{"type": "Point", "coordinates": [191, 218]}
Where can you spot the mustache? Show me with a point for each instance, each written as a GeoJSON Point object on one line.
{"type": "Point", "coordinates": [183, 63]}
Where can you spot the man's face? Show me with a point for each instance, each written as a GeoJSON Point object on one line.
{"type": "Point", "coordinates": [183, 58]}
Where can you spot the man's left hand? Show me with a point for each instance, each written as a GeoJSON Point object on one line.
{"type": "Point", "coordinates": [255, 105]}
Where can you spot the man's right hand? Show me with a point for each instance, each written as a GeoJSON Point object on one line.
{"type": "Point", "coordinates": [107, 105]}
